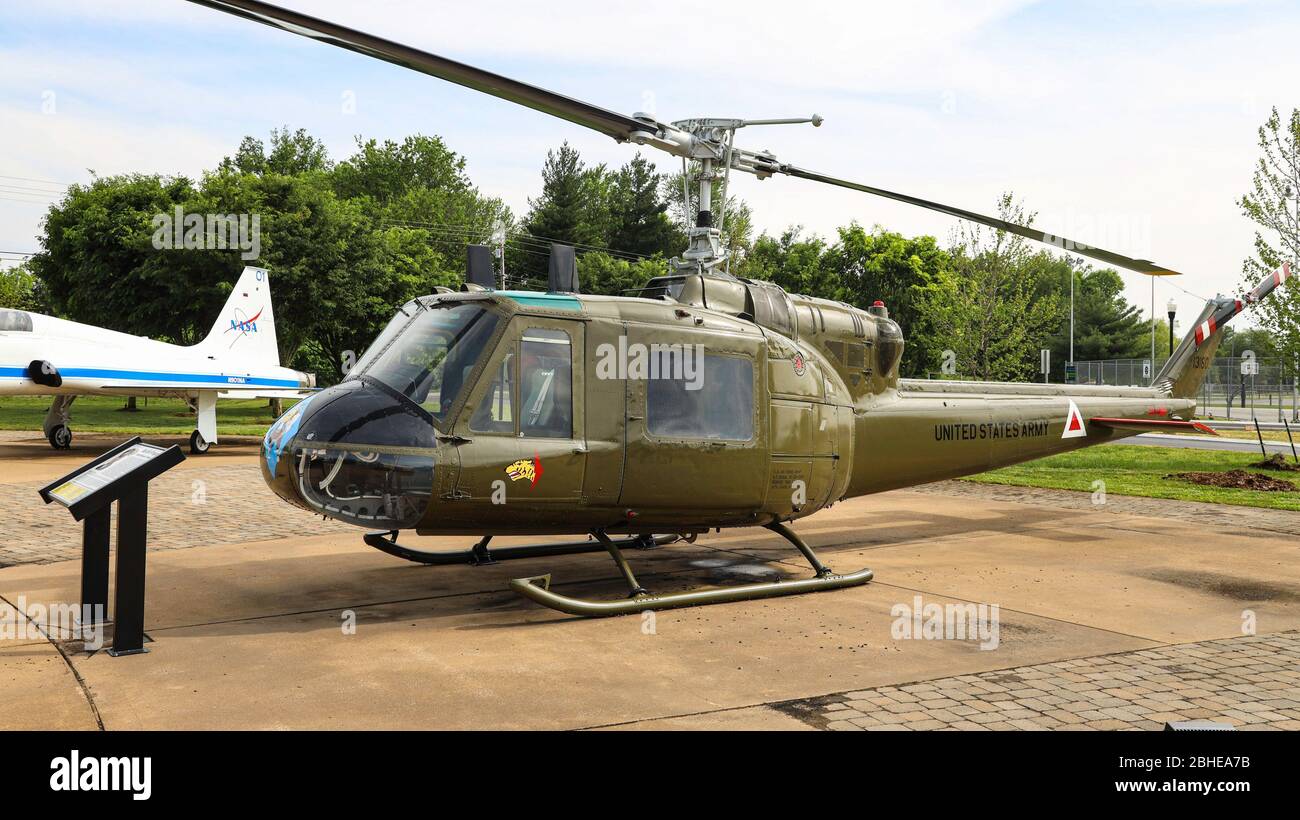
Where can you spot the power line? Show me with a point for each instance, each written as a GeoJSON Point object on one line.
{"type": "Point", "coordinates": [1188, 292]}
{"type": "Point", "coordinates": [41, 181]}
{"type": "Point", "coordinates": [522, 235]}
{"type": "Point", "coordinates": [29, 201]}
{"type": "Point", "coordinates": [28, 188]}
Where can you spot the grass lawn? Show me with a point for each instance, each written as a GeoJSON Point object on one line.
{"type": "Point", "coordinates": [104, 414]}
{"type": "Point", "coordinates": [1138, 470]}
{"type": "Point", "coordinates": [1269, 435]}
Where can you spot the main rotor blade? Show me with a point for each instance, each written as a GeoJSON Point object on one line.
{"type": "Point", "coordinates": [610, 123]}
{"type": "Point", "coordinates": [1139, 265]}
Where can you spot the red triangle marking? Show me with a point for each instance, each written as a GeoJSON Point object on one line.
{"type": "Point", "coordinates": [1075, 423]}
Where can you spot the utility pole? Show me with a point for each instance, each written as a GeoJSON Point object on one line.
{"type": "Point", "coordinates": [499, 239]}
{"type": "Point", "coordinates": [1172, 307]}
{"type": "Point", "coordinates": [1153, 327]}
{"type": "Point", "coordinates": [1071, 316]}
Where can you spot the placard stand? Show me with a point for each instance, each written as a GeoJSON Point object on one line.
{"type": "Point", "coordinates": [122, 475]}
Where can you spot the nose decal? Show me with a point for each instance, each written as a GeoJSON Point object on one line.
{"type": "Point", "coordinates": [530, 469]}
{"type": "Point", "coordinates": [282, 432]}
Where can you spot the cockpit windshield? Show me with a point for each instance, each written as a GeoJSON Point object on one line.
{"type": "Point", "coordinates": [430, 357]}
{"type": "Point", "coordinates": [15, 320]}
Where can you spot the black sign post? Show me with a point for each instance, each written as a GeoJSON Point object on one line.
{"type": "Point", "coordinates": [122, 475]}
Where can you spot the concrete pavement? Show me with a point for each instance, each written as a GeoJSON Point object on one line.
{"type": "Point", "coordinates": [255, 632]}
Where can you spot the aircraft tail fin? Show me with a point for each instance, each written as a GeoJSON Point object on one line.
{"type": "Point", "coordinates": [245, 328]}
{"type": "Point", "coordinates": [1183, 374]}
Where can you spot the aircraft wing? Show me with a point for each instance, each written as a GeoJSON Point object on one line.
{"type": "Point", "coordinates": [231, 391]}
{"type": "Point", "coordinates": [263, 393]}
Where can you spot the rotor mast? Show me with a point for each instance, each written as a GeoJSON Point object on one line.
{"type": "Point", "coordinates": [710, 142]}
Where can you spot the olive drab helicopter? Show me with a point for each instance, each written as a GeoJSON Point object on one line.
{"type": "Point", "coordinates": [703, 401]}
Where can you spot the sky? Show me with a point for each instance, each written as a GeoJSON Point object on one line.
{"type": "Point", "coordinates": [1127, 125]}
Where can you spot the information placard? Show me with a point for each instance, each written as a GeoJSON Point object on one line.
{"type": "Point", "coordinates": [101, 475]}
{"type": "Point", "coordinates": [104, 480]}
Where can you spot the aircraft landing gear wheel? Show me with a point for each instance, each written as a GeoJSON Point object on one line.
{"type": "Point", "coordinates": [61, 437]}
{"type": "Point", "coordinates": [197, 445]}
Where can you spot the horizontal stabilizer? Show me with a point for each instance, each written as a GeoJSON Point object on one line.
{"type": "Point", "coordinates": [1154, 425]}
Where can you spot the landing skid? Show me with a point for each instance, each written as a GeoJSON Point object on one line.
{"type": "Point", "coordinates": [538, 589]}
{"type": "Point", "coordinates": [480, 555]}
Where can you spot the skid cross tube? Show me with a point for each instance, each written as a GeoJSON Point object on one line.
{"type": "Point", "coordinates": [480, 555]}
{"type": "Point", "coordinates": [538, 588]}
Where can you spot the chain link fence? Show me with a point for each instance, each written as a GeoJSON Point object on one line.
{"type": "Point", "coordinates": [1235, 386]}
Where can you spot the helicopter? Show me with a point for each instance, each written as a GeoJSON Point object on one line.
{"type": "Point", "coordinates": [702, 401]}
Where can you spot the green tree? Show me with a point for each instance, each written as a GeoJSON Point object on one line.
{"type": "Point", "coordinates": [895, 269]}
{"type": "Point", "coordinates": [99, 265]}
{"type": "Point", "coordinates": [389, 170]}
{"type": "Point", "coordinates": [337, 279]}
{"type": "Point", "coordinates": [292, 152]}
{"type": "Point", "coordinates": [1258, 340]}
{"type": "Point", "coordinates": [598, 272]}
{"type": "Point", "coordinates": [560, 214]}
{"type": "Point", "coordinates": [793, 262]}
{"type": "Point", "coordinates": [339, 271]}
{"type": "Point", "coordinates": [419, 186]}
{"type": "Point", "coordinates": [987, 308]}
{"type": "Point", "coordinates": [639, 221]}
{"type": "Point", "coordinates": [21, 290]}
{"type": "Point", "coordinates": [573, 209]}
{"type": "Point", "coordinates": [1106, 326]}
{"type": "Point", "coordinates": [1274, 205]}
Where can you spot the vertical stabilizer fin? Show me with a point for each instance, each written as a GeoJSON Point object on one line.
{"type": "Point", "coordinates": [245, 328]}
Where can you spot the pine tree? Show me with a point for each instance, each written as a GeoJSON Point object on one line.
{"type": "Point", "coordinates": [558, 214]}
{"type": "Point", "coordinates": [639, 221]}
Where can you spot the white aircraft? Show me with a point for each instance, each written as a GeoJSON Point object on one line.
{"type": "Point", "coordinates": [45, 356]}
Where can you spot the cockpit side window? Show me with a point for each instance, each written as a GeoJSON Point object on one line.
{"type": "Point", "coordinates": [546, 382]}
{"type": "Point", "coordinates": [496, 412]}
{"type": "Point", "coordinates": [720, 406]}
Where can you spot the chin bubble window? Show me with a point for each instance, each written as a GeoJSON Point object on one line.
{"type": "Point", "coordinates": [368, 489]}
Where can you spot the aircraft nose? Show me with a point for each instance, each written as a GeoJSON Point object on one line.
{"type": "Point", "coordinates": [353, 452]}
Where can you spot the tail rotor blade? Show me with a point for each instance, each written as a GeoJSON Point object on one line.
{"type": "Point", "coordinates": [1109, 257]}
{"type": "Point", "coordinates": [1273, 280]}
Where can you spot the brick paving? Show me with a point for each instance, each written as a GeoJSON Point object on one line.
{"type": "Point", "coordinates": [220, 505]}
{"type": "Point", "coordinates": [1251, 682]}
